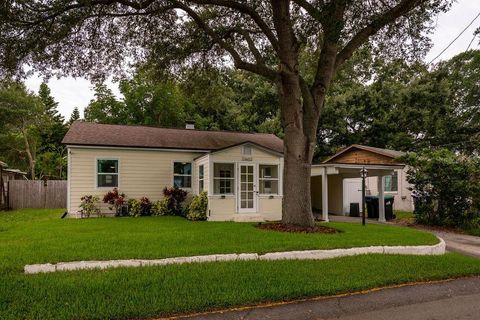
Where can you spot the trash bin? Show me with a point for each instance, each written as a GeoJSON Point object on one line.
{"type": "Point", "coordinates": [372, 207]}
{"type": "Point", "coordinates": [354, 209]}
{"type": "Point", "coordinates": [389, 199]}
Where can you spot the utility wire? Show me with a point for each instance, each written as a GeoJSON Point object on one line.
{"type": "Point", "coordinates": [456, 38]}
{"type": "Point", "coordinates": [474, 36]}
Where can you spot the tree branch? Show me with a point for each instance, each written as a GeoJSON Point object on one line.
{"type": "Point", "coordinates": [237, 59]}
{"type": "Point", "coordinates": [373, 27]}
{"type": "Point", "coordinates": [248, 11]}
{"type": "Point", "coordinates": [312, 11]}
{"type": "Point", "coordinates": [251, 45]}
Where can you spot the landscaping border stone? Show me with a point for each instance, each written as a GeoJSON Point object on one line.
{"type": "Point", "coordinates": [437, 249]}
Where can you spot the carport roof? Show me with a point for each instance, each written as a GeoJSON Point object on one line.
{"type": "Point", "coordinates": [357, 154]}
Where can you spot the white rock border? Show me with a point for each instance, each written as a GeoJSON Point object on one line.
{"type": "Point", "coordinates": [437, 249]}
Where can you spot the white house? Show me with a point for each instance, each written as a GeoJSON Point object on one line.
{"type": "Point", "coordinates": [241, 172]}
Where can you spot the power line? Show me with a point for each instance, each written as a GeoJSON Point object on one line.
{"type": "Point", "coordinates": [456, 38]}
{"type": "Point", "coordinates": [474, 36]}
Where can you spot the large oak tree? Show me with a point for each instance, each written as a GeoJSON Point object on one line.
{"type": "Point", "coordinates": [95, 37]}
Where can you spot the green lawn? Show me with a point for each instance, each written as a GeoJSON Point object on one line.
{"type": "Point", "coordinates": [474, 232]}
{"type": "Point", "coordinates": [36, 236]}
{"type": "Point", "coordinates": [41, 236]}
{"type": "Point", "coordinates": [404, 216]}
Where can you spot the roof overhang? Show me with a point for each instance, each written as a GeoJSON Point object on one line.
{"type": "Point", "coordinates": [353, 170]}
{"type": "Point", "coordinates": [253, 144]}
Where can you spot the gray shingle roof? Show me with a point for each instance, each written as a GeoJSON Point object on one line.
{"type": "Point", "coordinates": [95, 134]}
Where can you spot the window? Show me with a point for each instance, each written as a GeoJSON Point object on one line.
{"type": "Point", "coordinates": [223, 178]}
{"type": "Point", "coordinates": [268, 179]}
{"type": "Point", "coordinates": [200, 179]}
{"type": "Point", "coordinates": [182, 174]}
{"type": "Point", "coordinates": [107, 173]}
{"type": "Point", "coordinates": [391, 182]}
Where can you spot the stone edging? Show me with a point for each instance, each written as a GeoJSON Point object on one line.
{"type": "Point", "coordinates": [437, 249]}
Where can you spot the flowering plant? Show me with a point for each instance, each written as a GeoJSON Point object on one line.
{"type": "Point", "coordinates": [115, 199]}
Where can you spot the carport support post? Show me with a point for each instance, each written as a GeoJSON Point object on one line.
{"type": "Point", "coordinates": [325, 195]}
{"type": "Point", "coordinates": [381, 199]}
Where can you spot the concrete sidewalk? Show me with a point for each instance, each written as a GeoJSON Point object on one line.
{"type": "Point", "coordinates": [445, 300]}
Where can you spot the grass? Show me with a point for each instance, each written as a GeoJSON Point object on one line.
{"type": "Point", "coordinates": [41, 237]}
{"type": "Point", "coordinates": [36, 236]}
{"type": "Point", "coordinates": [408, 217]}
{"type": "Point", "coordinates": [474, 232]}
{"type": "Point", "coordinates": [404, 215]}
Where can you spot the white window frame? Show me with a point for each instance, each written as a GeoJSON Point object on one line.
{"type": "Point", "coordinates": [260, 179]}
{"type": "Point", "coordinates": [182, 175]}
{"type": "Point", "coordinates": [233, 179]}
{"type": "Point", "coordinates": [97, 173]}
{"type": "Point", "coordinates": [201, 178]}
{"type": "Point", "coordinates": [398, 182]}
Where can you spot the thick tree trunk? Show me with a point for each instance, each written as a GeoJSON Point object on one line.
{"type": "Point", "coordinates": [296, 208]}
{"type": "Point", "coordinates": [300, 106]}
{"type": "Point", "coordinates": [299, 144]}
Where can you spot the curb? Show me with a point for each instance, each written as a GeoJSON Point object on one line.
{"type": "Point", "coordinates": [437, 249]}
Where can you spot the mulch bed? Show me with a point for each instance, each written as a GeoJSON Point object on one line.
{"type": "Point", "coordinates": [278, 226]}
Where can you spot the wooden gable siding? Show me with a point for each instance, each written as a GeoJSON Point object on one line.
{"type": "Point", "coordinates": [358, 156]}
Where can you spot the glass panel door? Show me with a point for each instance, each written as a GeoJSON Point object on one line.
{"type": "Point", "coordinates": [247, 188]}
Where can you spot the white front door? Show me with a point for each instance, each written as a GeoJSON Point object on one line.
{"type": "Point", "coordinates": [247, 194]}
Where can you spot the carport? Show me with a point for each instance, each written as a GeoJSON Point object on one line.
{"type": "Point", "coordinates": [327, 181]}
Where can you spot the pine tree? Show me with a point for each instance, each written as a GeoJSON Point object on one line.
{"type": "Point", "coordinates": [75, 116]}
{"type": "Point", "coordinates": [50, 104]}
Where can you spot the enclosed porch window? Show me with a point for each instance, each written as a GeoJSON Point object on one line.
{"type": "Point", "coordinates": [223, 178]}
{"type": "Point", "coordinates": [268, 179]}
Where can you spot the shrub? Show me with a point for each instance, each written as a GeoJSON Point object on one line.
{"type": "Point", "coordinates": [175, 198]}
{"type": "Point", "coordinates": [446, 188]}
{"type": "Point", "coordinates": [115, 199]}
{"type": "Point", "coordinates": [89, 206]}
{"type": "Point", "coordinates": [160, 208]}
{"type": "Point", "coordinates": [197, 210]}
{"type": "Point", "coordinates": [133, 208]}
{"type": "Point", "coordinates": [145, 206]}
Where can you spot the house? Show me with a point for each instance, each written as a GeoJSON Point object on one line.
{"type": "Point", "coordinates": [241, 172]}
{"type": "Point", "coordinates": [336, 182]}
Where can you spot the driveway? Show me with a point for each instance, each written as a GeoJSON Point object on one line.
{"type": "Point", "coordinates": [461, 243]}
{"type": "Point", "coordinates": [456, 242]}
{"type": "Point", "coordinates": [445, 300]}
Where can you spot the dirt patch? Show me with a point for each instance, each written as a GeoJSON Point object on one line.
{"type": "Point", "coordinates": [295, 229]}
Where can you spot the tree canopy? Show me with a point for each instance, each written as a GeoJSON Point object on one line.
{"type": "Point", "coordinates": [263, 37]}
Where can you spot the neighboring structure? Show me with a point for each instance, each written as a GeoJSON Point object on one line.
{"type": "Point", "coordinates": [241, 172]}
{"type": "Point", "coordinates": [6, 175]}
{"type": "Point", "coordinates": [336, 182]}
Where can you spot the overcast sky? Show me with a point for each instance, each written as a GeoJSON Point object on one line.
{"type": "Point", "coordinates": [71, 92]}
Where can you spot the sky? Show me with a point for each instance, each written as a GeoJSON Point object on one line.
{"type": "Point", "coordinates": [77, 92]}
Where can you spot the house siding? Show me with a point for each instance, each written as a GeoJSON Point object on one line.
{"type": "Point", "coordinates": [141, 173]}
{"type": "Point", "coordinates": [402, 198]}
